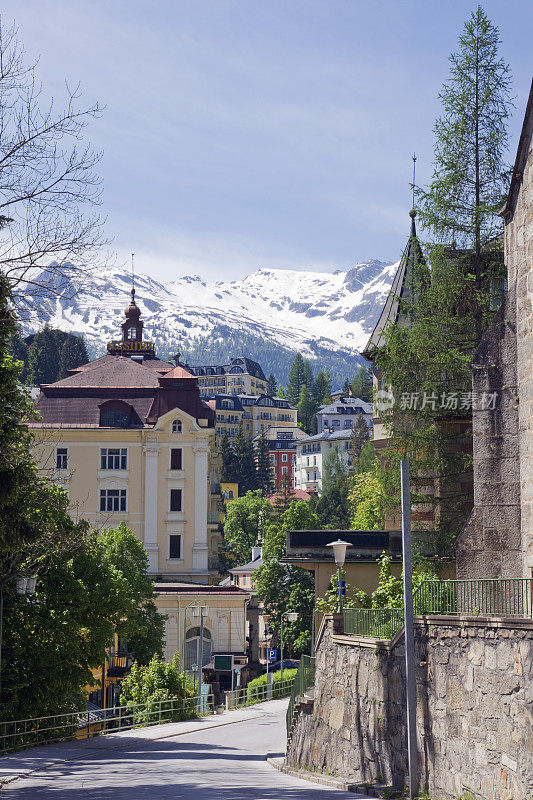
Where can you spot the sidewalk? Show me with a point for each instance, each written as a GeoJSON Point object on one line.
{"type": "Point", "coordinates": [26, 762]}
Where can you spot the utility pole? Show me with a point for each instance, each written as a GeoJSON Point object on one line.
{"type": "Point", "coordinates": [410, 678]}
{"type": "Point", "coordinates": [201, 659]}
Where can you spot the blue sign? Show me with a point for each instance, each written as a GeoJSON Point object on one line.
{"type": "Point", "coordinates": [272, 655]}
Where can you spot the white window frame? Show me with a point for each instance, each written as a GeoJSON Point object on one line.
{"type": "Point", "coordinates": [284, 457]}
{"type": "Point", "coordinates": [62, 452]}
{"type": "Point", "coordinates": [177, 426]}
{"type": "Point", "coordinates": [170, 459]}
{"type": "Point", "coordinates": [119, 455]}
{"type": "Point", "coordinates": [121, 498]}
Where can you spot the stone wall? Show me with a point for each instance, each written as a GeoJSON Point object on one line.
{"type": "Point", "coordinates": [519, 260]}
{"type": "Point", "coordinates": [474, 709]}
{"type": "Point", "coordinates": [490, 544]}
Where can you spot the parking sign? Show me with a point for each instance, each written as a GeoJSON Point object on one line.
{"type": "Point", "coordinates": [272, 655]}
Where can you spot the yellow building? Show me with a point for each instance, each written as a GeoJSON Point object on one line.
{"type": "Point", "coordinates": [241, 376]}
{"type": "Point", "coordinates": [263, 412]}
{"type": "Point", "coordinates": [128, 437]}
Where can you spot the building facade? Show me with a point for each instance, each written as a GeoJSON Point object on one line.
{"type": "Point", "coordinates": [129, 439]}
{"type": "Point", "coordinates": [311, 454]}
{"type": "Point", "coordinates": [341, 414]}
{"type": "Point", "coordinates": [264, 412]}
{"type": "Point", "coordinates": [241, 376]}
{"type": "Point", "coordinates": [282, 444]}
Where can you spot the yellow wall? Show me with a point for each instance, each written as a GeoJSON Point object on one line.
{"type": "Point", "coordinates": [147, 479]}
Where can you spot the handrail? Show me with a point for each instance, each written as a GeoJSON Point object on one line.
{"type": "Point", "coordinates": [304, 680]}
{"type": "Point", "coordinates": [24, 733]}
{"type": "Point", "coordinates": [490, 597]}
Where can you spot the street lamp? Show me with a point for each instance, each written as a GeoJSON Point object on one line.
{"type": "Point", "coordinates": [292, 616]}
{"type": "Point", "coordinates": [25, 587]}
{"type": "Point", "coordinates": [339, 554]}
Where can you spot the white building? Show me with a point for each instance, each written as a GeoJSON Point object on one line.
{"type": "Point", "coordinates": [341, 414]}
{"type": "Point", "coordinates": [311, 454]}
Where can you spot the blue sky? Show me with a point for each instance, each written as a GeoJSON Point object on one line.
{"type": "Point", "coordinates": [241, 134]}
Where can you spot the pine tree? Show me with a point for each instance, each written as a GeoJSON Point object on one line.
{"type": "Point", "coordinates": [43, 363]}
{"type": "Point", "coordinates": [228, 474]}
{"type": "Point", "coordinates": [470, 176]}
{"type": "Point", "coordinates": [272, 386]}
{"type": "Point", "coordinates": [300, 375]}
{"type": "Point", "coordinates": [264, 468]}
{"type": "Point", "coordinates": [321, 389]}
{"type": "Point", "coordinates": [362, 384]}
{"type": "Point", "coordinates": [72, 354]}
{"type": "Point", "coordinates": [306, 411]}
{"type": "Point", "coordinates": [245, 468]}
{"type": "Point", "coordinates": [359, 437]}
{"type": "Point", "coordinates": [285, 494]}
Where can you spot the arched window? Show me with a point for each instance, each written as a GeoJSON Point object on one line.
{"type": "Point", "coordinates": [192, 647]}
{"type": "Point", "coordinates": [176, 426]}
{"type": "Point", "coordinates": [132, 333]}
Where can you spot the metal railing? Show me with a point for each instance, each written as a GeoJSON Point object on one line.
{"type": "Point", "coordinates": [490, 597]}
{"type": "Point", "coordinates": [378, 623]}
{"type": "Point", "coordinates": [250, 695]}
{"type": "Point", "coordinates": [304, 680]}
{"type": "Point", "coordinates": [22, 734]}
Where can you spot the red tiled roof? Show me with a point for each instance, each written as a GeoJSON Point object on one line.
{"type": "Point", "coordinates": [299, 494]}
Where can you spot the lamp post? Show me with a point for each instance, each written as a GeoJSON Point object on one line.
{"type": "Point", "coordinates": [25, 588]}
{"type": "Point", "coordinates": [339, 554]}
{"type": "Point", "coordinates": [292, 616]}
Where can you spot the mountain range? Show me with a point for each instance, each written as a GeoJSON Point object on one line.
{"type": "Point", "coordinates": [268, 315]}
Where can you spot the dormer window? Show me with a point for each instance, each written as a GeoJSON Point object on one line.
{"type": "Point", "coordinates": [176, 426]}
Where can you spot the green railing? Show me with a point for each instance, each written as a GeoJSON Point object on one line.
{"type": "Point", "coordinates": [492, 597]}
{"type": "Point", "coordinates": [378, 623]}
{"type": "Point", "coordinates": [489, 597]}
{"type": "Point", "coordinates": [251, 695]}
{"type": "Point", "coordinates": [304, 680]}
{"type": "Point", "coordinates": [24, 733]}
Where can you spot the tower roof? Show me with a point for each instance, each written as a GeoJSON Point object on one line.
{"type": "Point", "coordinates": [403, 290]}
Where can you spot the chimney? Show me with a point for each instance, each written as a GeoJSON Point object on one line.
{"type": "Point", "coordinates": [257, 552]}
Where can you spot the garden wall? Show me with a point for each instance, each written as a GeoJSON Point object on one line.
{"type": "Point", "coordinates": [474, 708]}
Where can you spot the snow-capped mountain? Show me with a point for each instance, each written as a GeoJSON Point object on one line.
{"type": "Point", "coordinates": [323, 315]}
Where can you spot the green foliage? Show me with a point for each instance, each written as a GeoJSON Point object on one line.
{"type": "Point", "coordinates": [321, 389]}
{"type": "Point", "coordinates": [368, 499]}
{"type": "Point", "coordinates": [141, 624]}
{"type": "Point", "coordinates": [255, 690]}
{"type": "Point", "coordinates": [366, 459]}
{"type": "Point", "coordinates": [283, 587]}
{"type": "Point", "coordinates": [264, 468]}
{"type": "Point", "coordinates": [332, 507]}
{"type": "Point", "coordinates": [470, 176]}
{"type": "Point", "coordinates": [228, 472]}
{"type": "Point", "coordinates": [157, 683]}
{"type": "Point", "coordinates": [272, 385]}
{"type": "Point", "coordinates": [361, 385]}
{"type": "Point", "coordinates": [300, 375]}
{"type": "Point", "coordinates": [359, 437]}
{"type": "Point", "coordinates": [238, 461]}
{"type": "Point", "coordinates": [247, 518]}
{"type": "Point", "coordinates": [306, 411]}
{"type": "Point", "coordinates": [330, 603]}
{"type": "Point", "coordinates": [52, 353]}
{"type": "Point", "coordinates": [18, 350]}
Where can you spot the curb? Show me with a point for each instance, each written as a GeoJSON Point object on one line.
{"type": "Point", "coordinates": [315, 777]}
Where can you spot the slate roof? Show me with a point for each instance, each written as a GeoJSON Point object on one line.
{"type": "Point", "coordinates": [345, 406]}
{"type": "Point", "coordinates": [402, 289]}
{"type": "Point", "coordinates": [521, 157]}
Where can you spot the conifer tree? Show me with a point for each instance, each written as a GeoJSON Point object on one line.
{"type": "Point", "coordinates": [359, 437]}
{"type": "Point", "coordinates": [72, 354]}
{"type": "Point", "coordinates": [470, 175]}
{"type": "Point", "coordinates": [306, 411]}
{"type": "Point", "coordinates": [321, 389]}
{"type": "Point", "coordinates": [43, 361]}
{"type": "Point", "coordinates": [272, 386]}
{"type": "Point", "coordinates": [300, 375]}
{"type": "Point", "coordinates": [18, 350]}
{"type": "Point", "coordinates": [264, 468]}
{"type": "Point", "coordinates": [228, 459]}
{"type": "Point", "coordinates": [245, 468]}
{"type": "Point", "coordinates": [362, 384]}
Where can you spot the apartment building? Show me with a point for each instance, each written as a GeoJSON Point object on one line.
{"type": "Point", "coordinates": [241, 376]}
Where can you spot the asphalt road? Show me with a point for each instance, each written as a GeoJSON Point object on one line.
{"type": "Point", "coordinates": [223, 758]}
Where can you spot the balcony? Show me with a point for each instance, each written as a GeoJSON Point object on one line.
{"type": "Point", "coordinates": [213, 517]}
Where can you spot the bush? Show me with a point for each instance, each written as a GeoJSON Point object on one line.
{"type": "Point", "coordinates": [256, 689]}
{"type": "Point", "coordinates": [160, 691]}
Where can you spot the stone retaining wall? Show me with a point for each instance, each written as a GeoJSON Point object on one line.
{"type": "Point", "coordinates": [474, 715]}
